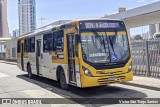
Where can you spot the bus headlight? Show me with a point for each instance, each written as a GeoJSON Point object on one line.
{"type": "Point", "coordinates": [87, 72]}
{"type": "Point", "coordinates": [130, 68]}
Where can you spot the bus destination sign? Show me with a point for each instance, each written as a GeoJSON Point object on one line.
{"type": "Point", "coordinates": [99, 25]}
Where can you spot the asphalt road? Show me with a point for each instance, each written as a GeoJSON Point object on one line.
{"type": "Point", "coordinates": [15, 84]}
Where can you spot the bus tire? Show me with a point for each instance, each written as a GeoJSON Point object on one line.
{"type": "Point", "coordinates": [63, 81]}
{"type": "Point", "coordinates": [29, 70]}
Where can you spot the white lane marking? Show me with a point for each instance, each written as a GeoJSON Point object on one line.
{"type": "Point", "coordinates": [3, 75]}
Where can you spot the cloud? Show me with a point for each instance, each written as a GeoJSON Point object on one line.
{"type": "Point", "coordinates": [141, 1]}
{"type": "Point", "coordinates": [145, 2]}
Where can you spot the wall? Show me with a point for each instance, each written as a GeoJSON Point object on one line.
{"type": "Point", "coordinates": [11, 49]}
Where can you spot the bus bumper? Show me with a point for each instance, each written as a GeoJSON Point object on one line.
{"type": "Point", "coordinates": [100, 81]}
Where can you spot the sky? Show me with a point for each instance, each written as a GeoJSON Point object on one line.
{"type": "Point", "coordinates": [54, 10]}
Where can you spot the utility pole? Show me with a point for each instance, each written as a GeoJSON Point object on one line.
{"type": "Point", "coordinates": [1, 50]}
{"type": "Point", "coordinates": [42, 19]}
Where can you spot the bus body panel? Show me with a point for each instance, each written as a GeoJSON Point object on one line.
{"type": "Point", "coordinates": [19, 60]}
{"type": "Point", "coordinates": [93, 81]}
{"type": "Point", "coordinates": [32, 62]}
{"type": "Point", "coordinates": [50, 61]}
{"type": "Point", "coordinates": [46, 64]}
{"type": "Point", "coordinates": [121, 75]}
{"type": "Point", "coordinates": [26, 60]}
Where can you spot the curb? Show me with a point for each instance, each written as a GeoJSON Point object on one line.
{"type": "Point", "coordinates": [8, 63]}
{"type": "Point", "coordinates": [142, 86]}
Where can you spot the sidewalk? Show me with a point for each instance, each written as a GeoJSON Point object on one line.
{"type": "Point", "coordinates": [8, 62]}
{"type": "Point", "coordinates": [145, 82]}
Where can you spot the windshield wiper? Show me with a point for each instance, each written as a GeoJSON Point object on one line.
{"type": "Point", "coordinates": [99, 37]}
{"type": "Point", "coordinates": [102, 42]}
{"type": "Point", "coordinates": [111, 44]}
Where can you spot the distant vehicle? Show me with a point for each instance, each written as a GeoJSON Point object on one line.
{"type": "Point", "coordinates": [155, 44]}
{"type": "Point", "coordinates": [156, 36]}
{"type": "Point", "coordinates": [83, 53]}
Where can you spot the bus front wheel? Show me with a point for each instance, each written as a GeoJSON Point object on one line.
{"type": "Point", "coordinates": [30, 75]}
{"type": "Point", "coordinates": [63, 82]}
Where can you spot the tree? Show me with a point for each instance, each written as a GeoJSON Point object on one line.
{"type": "Point", "coordinates": [138, 37]}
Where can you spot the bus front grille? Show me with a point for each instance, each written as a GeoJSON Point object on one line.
{"type": "Point", "coordinates": [109, 80]}
{"type": "Point", "coordinates": [110, 73]}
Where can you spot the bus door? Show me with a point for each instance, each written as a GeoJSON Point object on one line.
{"type": "Point", "coordinates": [22, 56]}
{"type": "Point", "coordinates": [71, 58]}
{"type": "Point", "coordinates": [38, 56]}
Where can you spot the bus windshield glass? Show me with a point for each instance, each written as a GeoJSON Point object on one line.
{"type": "Point", "coordinates": [105, 47]}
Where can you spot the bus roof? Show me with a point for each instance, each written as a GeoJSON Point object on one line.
{"type": "Point", "coordinates": [96, 19]}
{"type": "Point", "coordinates": [61, 26]}
{"type": "Point", "coordinates": [23, 37]}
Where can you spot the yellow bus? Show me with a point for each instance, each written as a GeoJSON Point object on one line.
{"type": "Point", "coordinates": [83, 53]}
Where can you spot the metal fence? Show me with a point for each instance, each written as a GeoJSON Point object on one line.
{"type": "Point", "coordinates": [146, 57]}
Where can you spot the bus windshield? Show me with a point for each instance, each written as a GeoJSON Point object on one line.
{"type": "Point", "coordinates": [104, 47]}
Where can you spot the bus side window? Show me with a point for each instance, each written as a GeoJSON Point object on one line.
{"type": "Point", "coordinates": [19, 47]}
{"type": "Point", "coordinates": [58, 41]}
{"type": "Point", "coordinates": [47, 42]}
{"type": "Point", "coordinates": [26, 45]}
{"type": "Point", "coordinates": [32, 44]}
{"type": "Point", "coordinates": [54, 41]}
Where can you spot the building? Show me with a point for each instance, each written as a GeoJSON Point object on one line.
{"type": "Point", "coordinates": [11, 49]}
{"type": "Point", "coordinates": [3, 49]}
{"type": "Point", "coordinates": [154, 28]}
{"type": "Point", "coordinates": [3, 19]}
{"type": "Point", "coordinates": [27, 16]}
{"type": "Point", "coordinates": [15, 33]}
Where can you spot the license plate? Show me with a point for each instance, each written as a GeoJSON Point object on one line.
{"type": "Point", "coordinates": [112, 78]}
